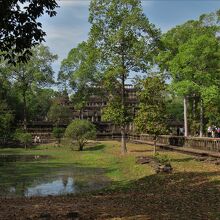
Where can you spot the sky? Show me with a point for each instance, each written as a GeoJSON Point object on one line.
{"type": "Point", "coordinates": [70, 26]}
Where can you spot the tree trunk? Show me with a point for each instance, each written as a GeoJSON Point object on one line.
{"type": "Point", "coordinates": [123, 141]}
{"type": "Point", "coordinates": [185, 117]}
{"type": "Point", "coordinates": [25, 111]}
{"type": "Point", "coordinates": [81, 145]}
{"type": "Point", "coordinates": [194, 107]}
{"type": "Point", "coordinates": [201, 118]}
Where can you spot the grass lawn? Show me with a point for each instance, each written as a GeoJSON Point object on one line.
{"type": "Point", "coordinates": [192, 191]}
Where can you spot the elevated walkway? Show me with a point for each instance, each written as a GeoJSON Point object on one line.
{"type": "Point", "coordinates": [185, 150]}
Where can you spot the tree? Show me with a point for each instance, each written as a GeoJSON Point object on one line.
{"type": "Point", "coordinates": [23, 137]}
{"type": "Point", "coordinates": [59, 114]}
{"type": "Point", "coordinates": [174, 107]}
{"type": "Point", "coordinates": [39, 101]}
{"type": "Point", "coordinates": [20, 28]}
{"type": "Point", "coordinates": [191, 55]}
{"type": "Point", "coordinates": [6, 120]}
{"type": "Point", "coordinates": [80, 73]}
{"type": "Point", "coordinates": [127, 42]}
{"type": "Point", "coordinates": [151, 117]}
{"type": "Point", "coordinates": [58, 134]}
{"type": "Point", "coordinates": [36, 73]}
{"type": "Point", "coordinates": [211, 102]}
{"type": "Point", "coordinates": [80, 131]}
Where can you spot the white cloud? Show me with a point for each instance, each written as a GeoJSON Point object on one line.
{"type": "Point", "coordinates": [64, 32]}
{"type": "Point", "coordinates": [64, 39]}
{"type": "Point", "coordinates": [67, 3]}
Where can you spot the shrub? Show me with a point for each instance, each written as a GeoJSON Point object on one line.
{"type": "Point", "coordinates": [80, 131]}
{"type": "Point", "coordinates": [58, 134]}
{"type": "Point", "coordinates": [23, 137]}
{"type": "Point", "coordinates": [162, 159]}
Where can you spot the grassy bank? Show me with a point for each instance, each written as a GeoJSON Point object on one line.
{"type": "Point", "coordinates": [120, 169]}
{"type": "Point", "coordinates": [137, 192]}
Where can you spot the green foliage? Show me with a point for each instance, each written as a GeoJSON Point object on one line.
{"type": "Point", "coordinates": [162, 158]}
{"type": "Point", "coordinates": [211, 100]}
{"type": "Point", "coordinates": [115, 113]}
{"type": "Point", "coordinates": [80, 131]}
{"type": "Point", "coordinates": [27, 78]}
{"type": "Point", "coordinates": [37, 72]}
{"type": "Point", "coordinates": [39, 102]}
{"type": "Point", "coordinates": [58, 133]}
{"type": "Point", "coordinates": [191, 56]}
{"type": "Point", "coordinates": [80, 72]}
{"type": "Point", "coordinates": [174, 106]}
{"type": "Point", "coordinates": [6, 120]}
{"type": "Point", "coordinates": [23, 137]}
{"type": "Point", "coordinates": [59, 114]}
{"type": "Point", "coordinates": [151, 117]}
{"type": "Point", "coordinates": [20, 27]}
{"type": "Point", "coordinates": [125, 37]}
{"type": "Point", "coordinates": [127, 42]}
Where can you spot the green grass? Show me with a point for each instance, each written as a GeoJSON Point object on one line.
{"type": "Point", "coordinates": [120, 169]}
{"type": "Point", "coordinates": [190, 192]}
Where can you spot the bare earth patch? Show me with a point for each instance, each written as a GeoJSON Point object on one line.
{"type": "Point", "coordinates": [191, 192]}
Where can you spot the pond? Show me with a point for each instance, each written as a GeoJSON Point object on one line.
{"type": "Point", "coordinates": [28, 175]}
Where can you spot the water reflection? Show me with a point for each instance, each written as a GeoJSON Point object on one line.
{"type": "Point", "coordinates": [56, 187]}
{"type": "Point", "coordinates": [26, 178]}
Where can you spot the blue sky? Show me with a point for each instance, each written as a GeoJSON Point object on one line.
{"type": "Point", "coordinates": [71, 26]}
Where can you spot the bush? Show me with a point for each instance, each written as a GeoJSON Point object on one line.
{"type": "Point", "coordinates": [58, 134]}
{"type": "Point", "coordinates": [162, 159]}
{"type": "Point", "coordinates": [80, 131]}
{"type": "Point", "coordinates": [23, 137]}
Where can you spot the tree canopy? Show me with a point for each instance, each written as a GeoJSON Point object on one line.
{"type": "Point", "coordinates": [80, 73]}
{"type": "Point", "coordinates": [152, 114]}
{"type": "Point", "coordinates": [20, 28]}
{"type": "Point", "coordinates": [191, 57]}
{"type": "Point", "coordinates": [26, 78]}
{"type": "Point", "coordinates": [127, 42]}
{"type": "Point", "coordinates": [80, 131]}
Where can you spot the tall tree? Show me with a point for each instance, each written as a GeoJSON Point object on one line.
{"type": "Point", "coordinates": [80, 73]}
{"type": "Point", "coordinates": [59, 114]}
{"type": "Point", "coordinates": [6, 120]}
{"type": "Point", "coordinates": [37, 72]}
{"type": "Point", "coordinates": [127, 42]}
{"type": "Point", "coordinates": [39, 101]}
{"type": "Point", "coordinates": [20, 28]}
{"type": "Point", "coordinates": [152, 115]}
{"type": "Point", "coordinates": [191, 55]}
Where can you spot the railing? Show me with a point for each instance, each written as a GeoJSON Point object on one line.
{"type": "Point", "coordinates": [203, 143]}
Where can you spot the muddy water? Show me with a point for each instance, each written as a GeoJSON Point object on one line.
{"type": "Point", "coordinates": [24, 176]}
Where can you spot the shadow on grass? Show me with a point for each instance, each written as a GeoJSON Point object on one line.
{"type": "Point", "coordinates": [182, 196]}
{"type": "Point", "coordinates": [95, 148]}
{"type": "Point", "coordinates": [175, 196]}
{"type": "Point", "coordinates": [183, 159]}
{"type": "Point", "coordinates": [140, 151]}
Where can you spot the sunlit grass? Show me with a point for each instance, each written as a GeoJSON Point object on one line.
{"type": "Point", "coordinates": [120, 169]}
